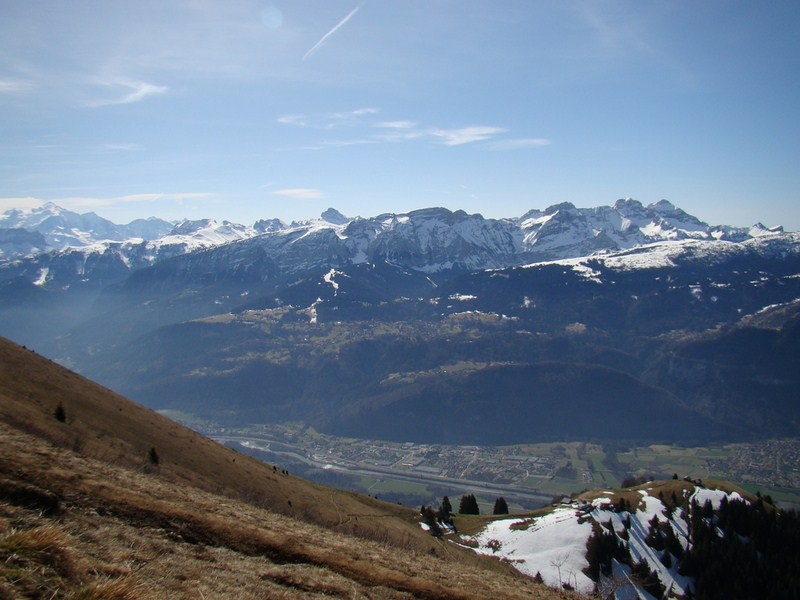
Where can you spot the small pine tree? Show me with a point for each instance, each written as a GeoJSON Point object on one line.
{"type": "Point", "coordinates": [445, 511]}
{"type": "Point", "coordinates": [626, 522]}
{"type": "Point", "coordinates": [468, 505]}
{"type": "Point", "coordinates": [500, 506]}
{"type": "Point", "coordinates": [666, 559]}
{"type": "Point", "coordinates": [59, 413]}
{"type": "Point", "coordinates": [152, 457]}
{"type": "Point", "coordinates": [429, 518]}
{"type": "Point", "coordinates": [447, 508]}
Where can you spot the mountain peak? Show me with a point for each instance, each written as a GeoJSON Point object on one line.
{"type": "Point", "coordinates": [664, 207]}
{"type": "Point", "coordinates": [759, 230]}
{"type": "Point", "coordinates": [334, 217]}
{"type": "Point", "coordinates": [561, 206]}
{"type": "Point", "coordinates": [629, 203]}
{"type": "Point", "coordinates": [269, 225]}
{"type": "Point", "coordinates": [187, 226]}
{"type": "Point", "coordinates": [51, 206]}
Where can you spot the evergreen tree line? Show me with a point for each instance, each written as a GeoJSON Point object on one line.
{"type": "Point", "coordinates": [740, 550]}
{"type": "Point", "coordinates": [743, 550]}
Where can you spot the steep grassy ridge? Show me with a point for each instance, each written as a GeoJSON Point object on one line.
{"type": "Point", "coordinates": [84, 514]}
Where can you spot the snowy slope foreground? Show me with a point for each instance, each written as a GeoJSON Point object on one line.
{"type": "Point", "coordinates": [652, 531]}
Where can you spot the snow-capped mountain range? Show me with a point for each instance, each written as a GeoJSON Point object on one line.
{"type": "Point", "coordinates": [599, 290]}
{"type": "Point", "coordinates": [429, 240]}
{"type": "Point", "coordinates": [60, 229]}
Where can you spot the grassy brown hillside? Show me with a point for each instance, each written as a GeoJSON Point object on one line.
{"type": "Point", "coordinates": [84, 514]}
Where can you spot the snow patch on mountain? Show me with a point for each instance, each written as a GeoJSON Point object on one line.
{"type": "Point", "coordinates": [329, 278]}
{"type": "Point", "coordinates": [42, 278]}
{"type": "Point", "coordinates": [667, 254]}
{"type": "Point", "coordinates": [201, 234]}
{"type": "Point", "coordinates": [554, 544]}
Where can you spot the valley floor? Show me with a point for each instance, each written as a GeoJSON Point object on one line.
{"type": "Point", "coordinates": [529, 475]}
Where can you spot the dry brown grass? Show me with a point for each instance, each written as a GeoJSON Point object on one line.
{"type": "Point", "coordinates": [207, 523]}
{"type": "Point", "coordinates": [36, 561]}
{"type": "Point", "coordinates": [121, 588]}
{"type": "Point", "coordinates": [107, 427]}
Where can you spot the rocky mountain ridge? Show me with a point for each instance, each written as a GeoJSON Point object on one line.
{"type": "Point", "coordinates": [62, 229]}
{"type": "Point", "coordinates": [37, 244]}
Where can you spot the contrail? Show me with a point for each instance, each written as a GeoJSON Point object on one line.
{"type": "Point", "coordinates": [331, 32]}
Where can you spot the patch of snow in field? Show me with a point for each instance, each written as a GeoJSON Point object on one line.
{"type": "Point", "coordinates": [553, 545]}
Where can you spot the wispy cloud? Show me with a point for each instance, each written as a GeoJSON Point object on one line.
{"type": "Point", "coordinates": [403, 130]}
{"type": "Point", "coordinates": [519, 144]}
{"type": "Point", "coordinates": [165, 197]}
{"type": "Point", "coordinates": [356, 114]}
{"type": "Point", "coordinates": [397, 124]}
{"type": "Point", "coordinates": [352, 142]}
{"type": "Point", "coordinates": [465, 135]}
{"type": "Point", "coordinates": [333, 30]}
{"type": "Point", "coordinates": [329, 120]}
{"type": "Point", "coordinates": [19, 202]}
{"type": "Point", "coordinates": [398, 131]}
{"type": "Point", "coordinates": [15, 86]}
{"type": "Point", "coordinates": [296, 120]}
{"type": "Point", "coordinates": [91, 202]}
{"type": "Point", "coordinates": [139, 90]}
{"type": "Point", "coordinates": [123, 147]}
{"type": "Point", "coordinates": [300, 193]}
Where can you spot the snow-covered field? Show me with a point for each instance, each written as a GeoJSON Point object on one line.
{"type": "Point", "coordinates": [553, 545]}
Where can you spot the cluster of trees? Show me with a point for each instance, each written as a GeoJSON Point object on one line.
{"type": "Point", "coordinates": [468, 505]}
{"type": "Point", "coordinates": [601, 547]}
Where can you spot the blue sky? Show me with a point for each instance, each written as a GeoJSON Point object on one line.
{"type": "Point", "coordinates": [246, 110]}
